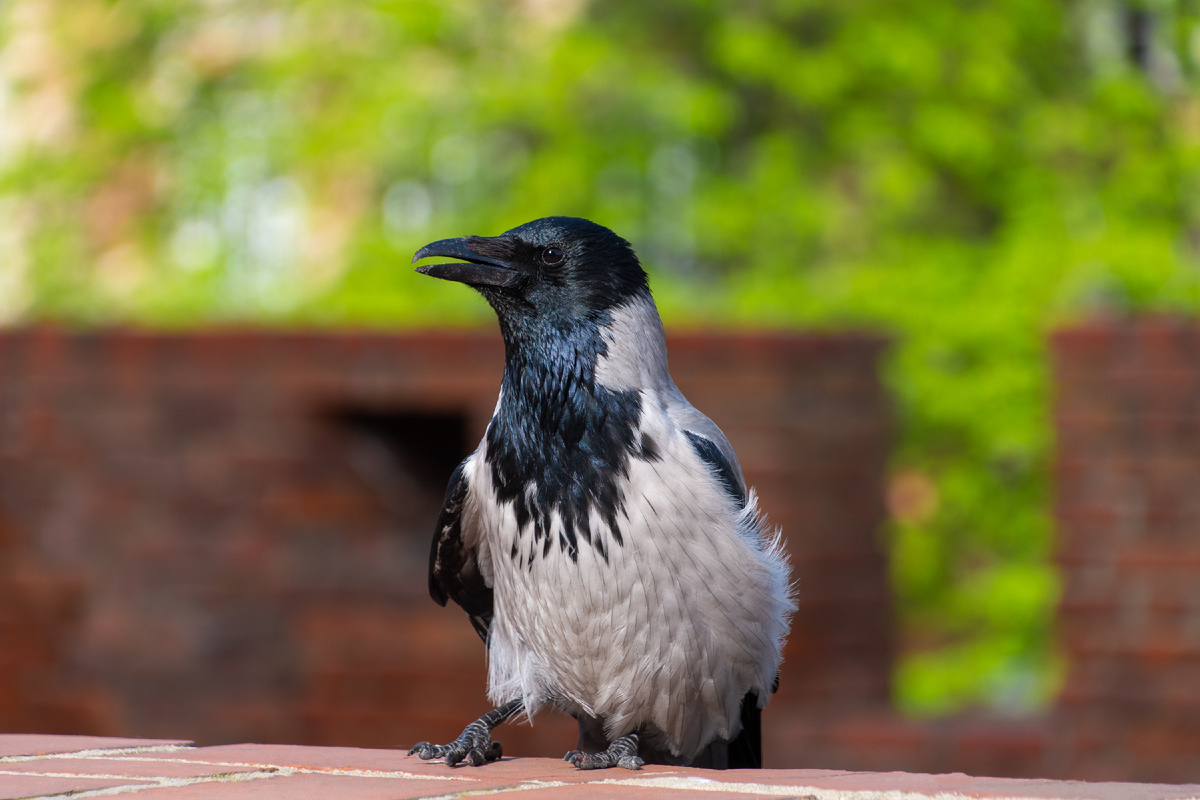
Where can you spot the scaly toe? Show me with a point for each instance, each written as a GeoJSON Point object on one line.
{"type": "Point", "coordinates": [583, 760]}
{"type": "Point", "coordinates": [426, 751]}
{"type": "Point", "coordinates": [455, 756]}
{"type": "Point", "coordinates": [622, 752]}
{"type": "Point", "coordinates": [631, 762]}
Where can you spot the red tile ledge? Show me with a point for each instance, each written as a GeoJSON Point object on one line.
{"type": "Point", "coordinates": [53, 766]}
{"type": "Point", "coordinates": [37, 744]}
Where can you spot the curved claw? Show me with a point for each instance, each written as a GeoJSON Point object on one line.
{"type": "Point", "coordinates": [621, 753]}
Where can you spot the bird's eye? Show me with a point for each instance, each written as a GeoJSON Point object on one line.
{"type": "Point", "coordinates": [552, 255]}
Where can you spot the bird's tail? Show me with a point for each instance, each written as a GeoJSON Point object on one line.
{"type": "Point", "coordinates": [745, 750]}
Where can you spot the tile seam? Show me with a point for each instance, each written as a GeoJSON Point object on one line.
{"type": "Point", "coordinates": [523, 786]}
{"type": "Point", "coordinates": [350, 772]}
{"type": "Point", "coordinates": [787, 790]}
{"type": "Point", "coordinates": [98, 752]}
{"type": "Point", "coordinates": [149, 785]}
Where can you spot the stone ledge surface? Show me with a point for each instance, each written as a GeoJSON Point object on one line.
{"type": "Point", "coordinates": [39, 766]}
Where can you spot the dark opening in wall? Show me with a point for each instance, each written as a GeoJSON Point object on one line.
{"type": "Point", "coordinates": [425, 445]}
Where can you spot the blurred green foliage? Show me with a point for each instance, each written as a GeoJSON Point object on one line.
{"type": "Point", "coordinates": [960, 175]}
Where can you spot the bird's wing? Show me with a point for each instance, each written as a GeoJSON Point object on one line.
{"type": "Point", "coordinates": [454, 572]}
{"type": "Point", "coordinates": [709, 443]}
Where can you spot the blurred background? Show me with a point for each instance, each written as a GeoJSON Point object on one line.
{"type": "Point", "coordinates": [902, 200]}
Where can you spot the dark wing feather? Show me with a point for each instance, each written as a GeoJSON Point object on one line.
{"type": "Point", "coordinates": [711, 454]}
{"type": "Point", "coordinates": [453, 565]}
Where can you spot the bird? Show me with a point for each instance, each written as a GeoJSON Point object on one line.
{"type": "Point", "coordinates": [601, 538]}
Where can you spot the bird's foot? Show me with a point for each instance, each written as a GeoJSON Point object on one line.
{"type": "Point", "coordinates": [474, 745]}
{"type": "Point", "coordinates": [473, 749]}
{"type": "Point", "coordinates": [621, 753]}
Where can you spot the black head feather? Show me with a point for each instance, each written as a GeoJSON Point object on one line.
{"type": "Point", "coordinates": [558, 269]}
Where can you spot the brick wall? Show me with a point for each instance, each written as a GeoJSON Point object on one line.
{"type": "Point", "coordinates": [223, 536]}
{"type": "Point", "coordinates": [1128, 512]}
{"type": "Point", "coordinates": [38, 607]}
{"type": "Point", "coordinates": [1127, 508]}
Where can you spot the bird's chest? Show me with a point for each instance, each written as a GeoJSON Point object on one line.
{"type": "Point", "coordinates": [557, 474]}
{"type": "Point", "coordinates": [553, 512]}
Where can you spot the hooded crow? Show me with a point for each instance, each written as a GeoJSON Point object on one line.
{"type": "Point", "coordinates": [601, 538]}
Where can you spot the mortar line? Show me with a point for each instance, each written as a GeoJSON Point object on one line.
{"type": "Point", "coordinates": [154, 783]}
{"type": "Point", "coordinates": [97, 753]}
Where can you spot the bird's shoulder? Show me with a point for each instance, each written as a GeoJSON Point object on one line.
{"type": "Point", "coordinates": [635, 360]}
{"type": "Point", "coordinates": [707, 441]}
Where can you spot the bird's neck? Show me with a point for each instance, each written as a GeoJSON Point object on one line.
{"type": "Point", "coordinates": [635, 348]}
{"type": "Point", "coordinates": [621, 351]}
{"type": "Point", "coordinates": [549, 377]}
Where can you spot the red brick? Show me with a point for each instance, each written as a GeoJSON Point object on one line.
{"type": "Point", "coordinates": [1085, 343]}
{"type": "Point", "coordinates": [28, 786]}
{"type": "Point", "coordinates": [1091, 586]}
{"type": "Point", "coordinates": [132, 765]}
{"type": "Point", "coordinates": [1005, 748]}
{"type": "Point", "coordinates": [1159, 556]}
{"type": "Point", "coordinates": [335, 759]}
{"type": "Point", "coordinates": [16, 744]}
{"type": "Point", "coordinates": [1163, 339]}
{"type": "Point", "coordinates": [305, 787]}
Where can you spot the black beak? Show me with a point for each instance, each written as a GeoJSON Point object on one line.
{"type": "Point", "coordinates": [480, 269]}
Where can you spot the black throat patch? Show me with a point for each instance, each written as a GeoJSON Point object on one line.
{"type": "Point", "coordinates": [560, 443]}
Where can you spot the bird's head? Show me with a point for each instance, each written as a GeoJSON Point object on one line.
{"type": "Point", "coordinates": [556, 270]}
